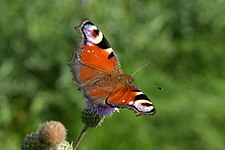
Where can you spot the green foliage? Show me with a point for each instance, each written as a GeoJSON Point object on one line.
{"type": "Point", "coordinates": [184, 40]}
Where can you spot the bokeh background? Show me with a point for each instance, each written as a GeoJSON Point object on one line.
{"type": "Point", "coordinates": [183, 39]}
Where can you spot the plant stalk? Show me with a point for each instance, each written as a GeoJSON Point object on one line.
{"type": "Point", "coordinates": [80, 137]}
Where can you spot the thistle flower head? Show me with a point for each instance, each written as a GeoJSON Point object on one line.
{"type": "Point", "coordinates": [94, 114]}
{"type": "Point", "coordinates": [52, 133]}
{"type": "Point", "coordinates": [51, 136]}
{"type": "Point", "coordinates": [91, 119]}
{"type": "Point", "coordinates": [101, 110]}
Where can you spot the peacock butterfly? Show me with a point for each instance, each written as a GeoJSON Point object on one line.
{"type": "Point", "coordinates": [97, 72]}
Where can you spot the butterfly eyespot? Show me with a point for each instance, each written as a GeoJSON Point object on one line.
{"type": "Point", "coordinates": [146, 104]}
{"type": "Point", "coordinates": [96, 32]}
{"type": "Point", "coordinates": [89, 23]}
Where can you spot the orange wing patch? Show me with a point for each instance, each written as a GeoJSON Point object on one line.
{"type": "Point", "coordinates": [97, 58]}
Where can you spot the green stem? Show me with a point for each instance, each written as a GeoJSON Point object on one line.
{"type": "Point", "coordinates": [80, 137]}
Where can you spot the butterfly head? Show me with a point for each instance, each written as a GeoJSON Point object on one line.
{"type": "Point", "coordinates": [122, 78]}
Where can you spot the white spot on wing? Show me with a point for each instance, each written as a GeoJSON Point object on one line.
{"type": "Point", "coordinates": [131, 103]}
{"type": "Point", "coordinates": [138, 93]}
{"type": "Point", "coordinates": [89, 44]}
{"type": "Point", "coordinates": [109, 50]}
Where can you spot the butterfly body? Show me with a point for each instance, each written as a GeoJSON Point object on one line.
{"type": "Point", "coordinates": [97, 72]}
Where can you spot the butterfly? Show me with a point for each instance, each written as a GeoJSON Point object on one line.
{"type": "Point", "coordinates": [97, 72]}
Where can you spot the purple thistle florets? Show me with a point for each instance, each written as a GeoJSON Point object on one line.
{"type": "Point", "coordinates": [101, 110]}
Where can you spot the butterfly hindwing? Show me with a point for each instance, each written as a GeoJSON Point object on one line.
{"type": "Point", "coordinates": [87, 80]}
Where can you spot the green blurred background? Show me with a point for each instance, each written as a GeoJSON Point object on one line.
{"type": "Point", "coordinates": [183, 39]}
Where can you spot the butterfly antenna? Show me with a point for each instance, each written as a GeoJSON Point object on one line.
{"type": "Point", "coordinates": [158, 87]}
{"type": "Point", "coordinates": [141, 68]}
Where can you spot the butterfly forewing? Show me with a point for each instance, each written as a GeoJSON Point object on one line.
{"type": "Point", "coordinates": [132, 98]}
{"type": "Point", "coordinates": [92, 63]}
{"type": "Point", "coordinates": [94, 50]}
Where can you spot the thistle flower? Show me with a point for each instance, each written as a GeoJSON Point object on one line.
{"type": "Point", "coordinates": [51, 136]}
{"type": "Point", "coordinates": [92, 116]}
{"type": "Point", "coordinates": [52, 133]}
{"type": "Point", "coordinates": [101, 110]}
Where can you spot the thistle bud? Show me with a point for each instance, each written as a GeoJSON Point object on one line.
{"type": "Point", "coordinates": [91, 119]}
